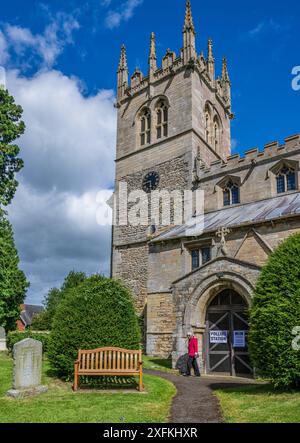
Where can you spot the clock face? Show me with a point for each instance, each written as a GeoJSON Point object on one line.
{"type": "Point", "coordinates": [151, 182]}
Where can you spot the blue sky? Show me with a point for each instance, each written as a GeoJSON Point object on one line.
{"type": "Point", "coordinates": [61, 59]}
{"type": "Point", "coordinates": [260, 39]}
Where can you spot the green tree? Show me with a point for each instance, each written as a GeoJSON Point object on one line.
{"type": "Point", "coordinates": [11, 127]}
{"type": "Point", "coordinates": [43, 321]}
{"type": "Point", "coordinates": [72, 280]}
{"type": "Point", "coordinates": [13, 283]}
{"type": "Point", "coordinates": [99, 312]}
{"type": "Point", "coordinates": [274, 315]}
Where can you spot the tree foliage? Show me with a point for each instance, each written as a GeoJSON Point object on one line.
{"type": "Point", "coordinates": [97, 313]}
{"type": "Point", "coordinates": [43, 321]}
{"type": "Point", "coordinates": [13, 283]}
{"type": "Point", "coordinates": [11, 127]}
{"type": "Point", "coordinates": [14, 337]}
{"type": "Point", "coordinates": [274, 315]}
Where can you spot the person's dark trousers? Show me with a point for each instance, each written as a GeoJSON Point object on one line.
{"type": "Point", "coordinates": [192, 363]}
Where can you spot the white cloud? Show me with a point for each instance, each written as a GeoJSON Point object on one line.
{"type": "Point", "coordinates": [69, 142]}
{"type": "Point", "coordinates": [234, 144]}
{"type": "Point", "coordinates": [4, 56]}
{"type": "Point", "coordinates": [68, 148]}
{"type": "Point", "coordinates": [266, 26]}
{"type": "Point", "coordinates": [114, 18]}
{"type": "Point", "coordinates": [47, 46]}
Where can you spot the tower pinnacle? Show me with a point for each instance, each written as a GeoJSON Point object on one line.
{"type": "Point", "coordinates": [189, 35]}
{"type": "Point", "coordinates": [188, 22]}
{"type": "Point", "coordinates": [226, 82]}
{"type": "Point", "coordinates": [225, 75]}
{"type": "Point", "coordinates": [122, 73]}
{"type": "Point", "coordinates": [210, 60]}
{"type": "Point", "coordinates": [152, 55]}
{"type": "Point", "coordinates": [123, 59]}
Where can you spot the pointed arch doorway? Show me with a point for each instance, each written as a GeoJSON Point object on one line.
{"type": "Point", "coordinates": [226, 336]}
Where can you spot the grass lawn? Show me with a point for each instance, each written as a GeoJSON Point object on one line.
{"type": "Point", "coordinates": [61, 405]}
{"type": "Point", "coordinates": [259, 404]}
{"type": "Point", "coordinates": [158, 364]}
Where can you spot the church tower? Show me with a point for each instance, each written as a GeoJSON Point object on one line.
{"type": "Point", "coordinates": [172, 121]}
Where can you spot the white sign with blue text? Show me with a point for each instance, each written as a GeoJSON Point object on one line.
{"type": "Point", "coordinates": [239, 339]}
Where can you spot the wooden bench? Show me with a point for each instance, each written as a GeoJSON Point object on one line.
{"type": "Point", "coordinates": [109, 362]}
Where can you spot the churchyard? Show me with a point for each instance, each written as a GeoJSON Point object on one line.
{"type": "Point", "coordinates": [59, 404]}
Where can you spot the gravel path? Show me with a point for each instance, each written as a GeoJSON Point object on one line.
{"type": "Point", "coordinates": [195, 402]}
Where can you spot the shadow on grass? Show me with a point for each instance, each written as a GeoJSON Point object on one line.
{"type": "Point", "coordinates": [97, 383]}
{"type": "Point", "coordinates": [250, 389]}
{"type": "Point", "coordinates": [107, 383]}
{"type": "Point", "coordinates": [51, 373]}
{"type": "Point", "coordinates": [164, 363]}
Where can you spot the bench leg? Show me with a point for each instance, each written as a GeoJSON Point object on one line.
{"type": "Point", "coordinates": [75, 386]}
{"type": "Point", "coordinates": [76, 380]}
{"type": "Point", "coordinates": [141, 386]}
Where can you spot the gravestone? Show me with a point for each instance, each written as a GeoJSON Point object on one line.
{"type": "Point", "coordinates": [27, 375]}
{"type": "Point", "coordinates": [2, 339]}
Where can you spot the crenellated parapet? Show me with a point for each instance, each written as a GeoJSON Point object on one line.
{"type": "Point", "coordinates": [171, 64]}
{"type": "Point", "coordinates": [251, 157]}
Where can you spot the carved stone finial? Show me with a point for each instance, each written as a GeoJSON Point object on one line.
{"type": "Point", "coordinates": [210, 60]}
{"type": "Point", "coordinates": [152, 55]}
{"type": "Point", "coordinates": [225, 74]}
{"type": "Point", "coordinates": [189, 35]}
{"type": "Point", "coordinates": [222, 234]}
{"type": "Point", "coordinates": [188, 21]}
{"type": "Point", "coordinates": [226, 84]}
{"type": "Point", "coordinates": [123, 59]}
{"type": "Point", "coordinates": [122, 73]}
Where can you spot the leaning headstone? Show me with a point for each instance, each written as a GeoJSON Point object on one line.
{"type": "Point", "coordinates": [2, 339]}
{"type": "Point", "coordinates": [27, 375]}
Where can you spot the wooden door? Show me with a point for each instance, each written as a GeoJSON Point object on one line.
{"type": "Point", "coordinates": [226, 338]}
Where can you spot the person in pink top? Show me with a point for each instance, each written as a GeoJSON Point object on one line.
{"type": "Point", "coordinates": [193, 355]}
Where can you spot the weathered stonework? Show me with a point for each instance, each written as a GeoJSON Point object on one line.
{"type": "Point", "coordinates": [195, 154]}
{"type": "Point", "coordinates": [2, 339]}
{"type": "Point", "coordinates": [27, 372]}
{"type": "Point", "coordinates": [161, 321]}
{"type": "Point", "coordinates": [133, 270]}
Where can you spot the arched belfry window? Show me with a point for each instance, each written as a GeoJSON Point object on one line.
{"type": "Point", "coordinates": [286, 179]}
{"type": "Point", "coordinates": [216, 134]}
{"type": "Point", "coordinates": [231, 194]}
{"type": "Point", "coordinates": [162, 117]}
{"type": "Point", "coordinates": [207, 117]}
{"type": "Point", "coordinates": [145, 125]}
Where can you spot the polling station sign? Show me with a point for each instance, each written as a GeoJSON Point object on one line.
{"type": "Point", "coordinates": [239, 339]}
{"type": "Point", "coordinates": [218, 337]}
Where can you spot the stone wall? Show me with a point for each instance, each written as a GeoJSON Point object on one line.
{"type": "Point", "coordinates": [161, 323]}
{"type": "Point", "coordinates": [254, 171]}
{"type": "Point", "coordinates": [203, 94]}
{"type": "Point", "coordinates": [173, 176]}
{"type": "Point", "coordinates": [131, 267]}
{"type": "Point", "coordinates": [193, 293]}
{"type": "Point", "coordinates": [130, 259]}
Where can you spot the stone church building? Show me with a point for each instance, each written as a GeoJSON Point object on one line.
{"type": "Point", "coordinates": [174, 134]}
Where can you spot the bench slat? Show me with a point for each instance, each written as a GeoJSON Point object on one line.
{"type": "Point", "coordinates": [108, 361]}
{"type": "Point", "coordinates": [107, 372]}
